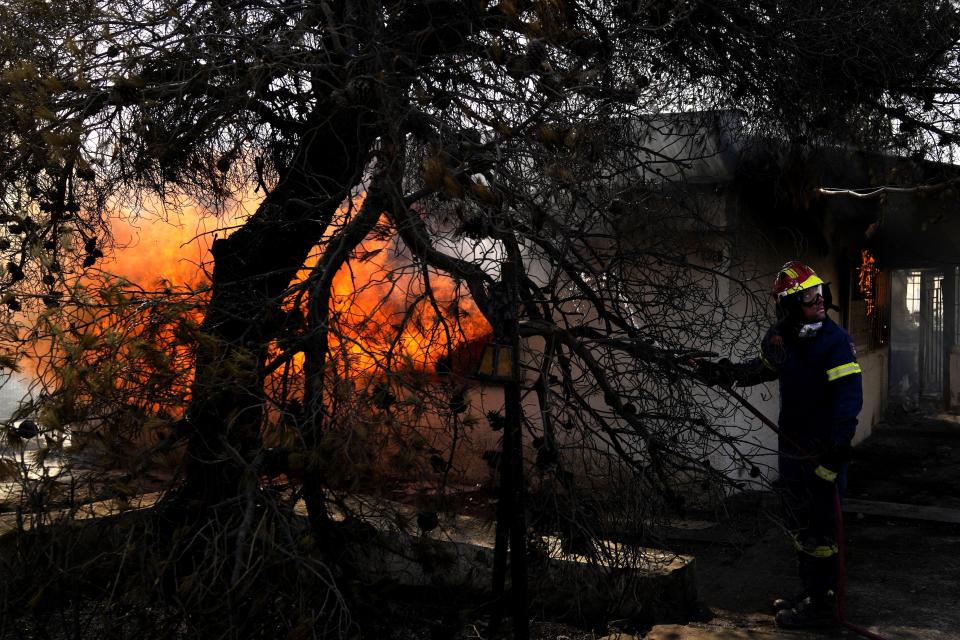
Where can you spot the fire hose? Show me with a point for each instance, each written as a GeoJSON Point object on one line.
{"type": "Point", "coordinates": [841, 569]}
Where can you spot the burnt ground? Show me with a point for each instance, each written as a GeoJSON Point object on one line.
{"type": "Point", "coordinates": [903, 574]}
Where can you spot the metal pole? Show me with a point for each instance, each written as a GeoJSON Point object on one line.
{"type": "Point", "coordinates": [513, 441]}
{"type": "Point", "coordinates": [925, 330]}
{"type": "Point", "coordinates": [948, 292]}
{"type": "Point", "coordinates": [502, 536]}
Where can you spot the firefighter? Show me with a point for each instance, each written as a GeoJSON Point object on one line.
{"type": "Point", "coordinates": [821, 394]}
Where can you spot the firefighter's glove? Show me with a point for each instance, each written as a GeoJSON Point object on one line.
{"type": "Point", "coordinates": [721, 373]}
{"type": "Point", "coordinates": [831, 460]}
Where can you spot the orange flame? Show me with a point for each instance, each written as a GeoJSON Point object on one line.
{"type": "Point", "coordinates": [383, 316]}
{"type": "Point", "coordinates": [867, 281]}
{"type": "Point", "coordinates": [387, 312]}
{"type": "Point", "coordinates": [149, 248]}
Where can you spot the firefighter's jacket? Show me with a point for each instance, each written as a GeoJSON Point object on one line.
{"type": "Point", "coordinates": [821, 391]}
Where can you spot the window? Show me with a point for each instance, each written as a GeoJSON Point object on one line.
{"type": "Point", "coordinates": [913, 297]}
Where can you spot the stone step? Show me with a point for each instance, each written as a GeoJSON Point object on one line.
{"type": "Point", "coordinates": [705, 632]}
{"type": "Point", "coordinates": [902, 511]}
{"type": "Point", "coordinates": [618, 582]}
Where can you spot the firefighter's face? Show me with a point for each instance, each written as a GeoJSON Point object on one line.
{"type": "Point", "coordinates": [811, 304]}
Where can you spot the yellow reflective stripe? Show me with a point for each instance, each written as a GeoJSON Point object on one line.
{"type": "Point", "coordinates": [766, 363]}
{"type": "Point", "coordinates": [821, 551]}
{"type": "Point", "coordinates": [843, 370]}
{"type": "Point", "coordinates": [826, 474]}
{"type": "Point", "coordinates": [812, 281]}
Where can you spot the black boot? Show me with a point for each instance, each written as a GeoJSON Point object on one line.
{"type": "Point", "coordinates": [809, 613]}
{"type": "Point", "coordinates": [789, 602]}
{"type": "Point", "coordinates": [805, 571]}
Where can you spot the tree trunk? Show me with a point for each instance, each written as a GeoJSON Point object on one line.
{"type": "Point", "coordinates": [252, 268]}
{"type": "Point", "coordinates": [317, 349]}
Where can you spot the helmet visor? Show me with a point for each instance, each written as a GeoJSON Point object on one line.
{"type": "Point", "coordinates": [811, 296]}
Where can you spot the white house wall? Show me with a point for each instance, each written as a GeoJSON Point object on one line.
{"type": "Point", "coordinates": [754, 257]}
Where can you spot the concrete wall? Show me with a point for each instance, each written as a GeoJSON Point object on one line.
{"type": "Point", "coordinates": [875, 365]}
{"type": "Point", "coordinates": [955, 376]}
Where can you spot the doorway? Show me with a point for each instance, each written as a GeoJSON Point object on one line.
{"type": "Point", "coordinates": [923, 317]}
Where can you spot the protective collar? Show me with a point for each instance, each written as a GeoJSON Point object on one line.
{"type": "Point", "coordinates": [809, 330]}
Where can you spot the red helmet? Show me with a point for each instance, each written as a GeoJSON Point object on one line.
{"type": "Point", "coordinates": [794, 277]}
